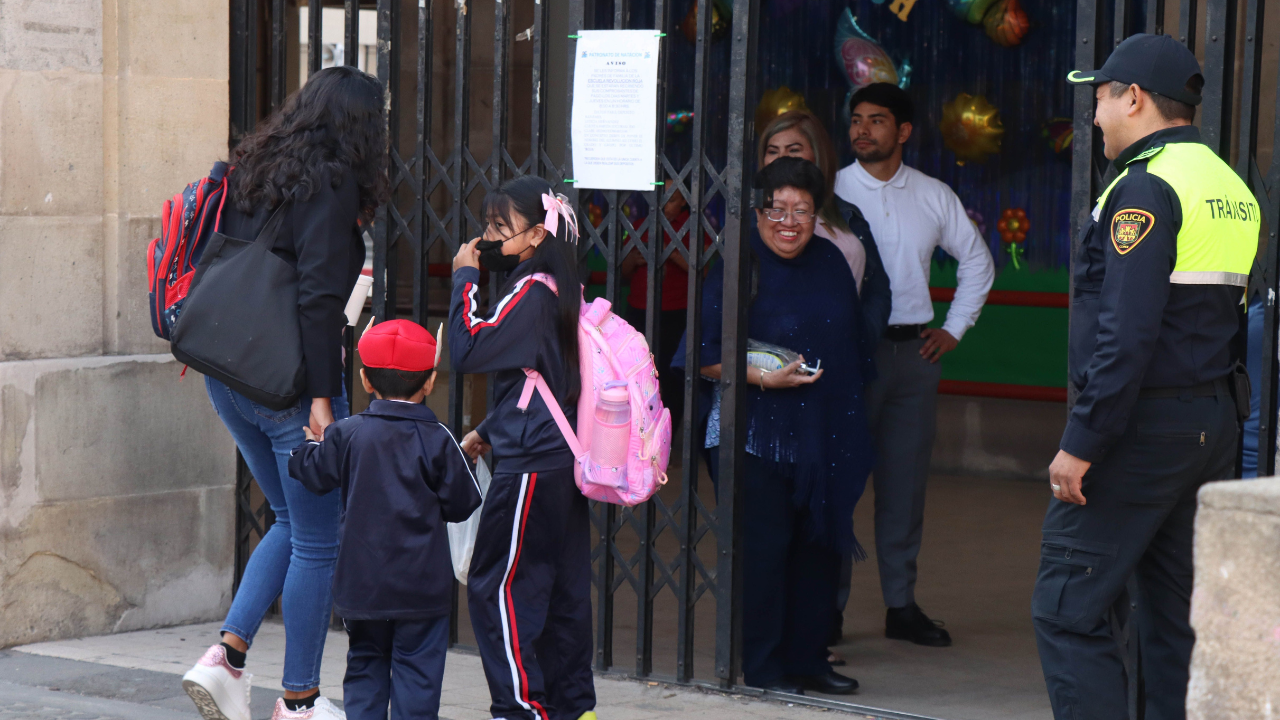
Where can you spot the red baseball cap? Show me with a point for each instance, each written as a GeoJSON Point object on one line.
{"type": "Point", "coordinates": [398, 345]}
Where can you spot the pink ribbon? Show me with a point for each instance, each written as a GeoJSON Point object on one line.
{"type": "Point", "coordinates": [558, 205]}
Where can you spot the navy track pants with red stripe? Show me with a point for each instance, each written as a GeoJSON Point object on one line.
{"type": "Point", "coordinates": [529, 592]}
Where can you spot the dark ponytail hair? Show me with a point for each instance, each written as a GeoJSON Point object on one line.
{"type": "Point", "coordinates": [557, 256]}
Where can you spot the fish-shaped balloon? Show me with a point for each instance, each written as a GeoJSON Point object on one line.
{"type": "Point", "coordinates": [862, 59]}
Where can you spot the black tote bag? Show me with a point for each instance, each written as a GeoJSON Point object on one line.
{"type": "Point", "coordinates": [239, 323]}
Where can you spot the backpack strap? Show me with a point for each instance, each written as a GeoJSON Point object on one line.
{"type": "Point", "coordinates": [533, 380]}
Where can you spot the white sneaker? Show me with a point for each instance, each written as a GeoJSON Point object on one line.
{"type": "Point", "coordinates": [219, 691]}
{"type": "Point", "coordinates": [323, 710]}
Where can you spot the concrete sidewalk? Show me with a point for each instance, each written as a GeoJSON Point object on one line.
{"type": "Point", "coordinates": [156, 656]}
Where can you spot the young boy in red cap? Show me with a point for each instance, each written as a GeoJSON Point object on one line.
{"type": "Point", "coordinates": [402, 477]}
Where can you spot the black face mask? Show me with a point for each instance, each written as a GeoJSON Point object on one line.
{"type": "Point", "coordinates": [491, 257]}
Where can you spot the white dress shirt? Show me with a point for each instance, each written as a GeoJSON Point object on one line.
{"type": "Point", "coordinates": [910, 215]}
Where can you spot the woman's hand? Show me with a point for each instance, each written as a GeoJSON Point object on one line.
{"type": "Point", "coordinates": [321, 417]}
{"type": "Point", "coordinates": [788, 377]}
{"type": "Point", "coordinates": [474, 446]}
{"type": "Point", "coordinates": [468, 256]}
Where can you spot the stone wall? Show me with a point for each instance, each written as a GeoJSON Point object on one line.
{"type": "Point", "coordinates": [1235, 609]}
{"type": "Point", "coordinates": [116, 479]}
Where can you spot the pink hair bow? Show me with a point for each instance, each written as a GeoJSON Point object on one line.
{"type": "Point", "coordinates": [559, 205]}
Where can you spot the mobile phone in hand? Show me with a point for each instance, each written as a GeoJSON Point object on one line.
{"type": "Point", "coordinates": [804, 368]}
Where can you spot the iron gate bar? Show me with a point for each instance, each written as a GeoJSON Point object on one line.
{"type": "Point", "coordinates": [422, 131]}
{"type": "Point", "coordinates": [501, 72]}
{"type": "Point", "coordinates": [1187, 22]}
{"type": "Point", "coordinates": [1083, 178]}
{"type": "Point", "coordinates": [1267, 191]}
{"type": "Point", "coordinates": [242, 69]}
{"type": "Point", "coordinates": [1155, 17]}
{"type": "Point", "coordinates": [733, 425]}
{"type": "Point", "coordinates": [350, 33]}
{"type": "Point", "coordinates": [1266, 271]}
{"type": "Point", "coordinates": [692, 568]}
{"type": "Point", "coordinates": [1120, 25]}
{"type": "Point", "coordinates": [384, 281]}
{"type": "Point", "coordinates": [315, 35]}
{"type": "Point", "coordinates": [1219, 76]}
{"type": "Point", "coordinates": [278, 61]}
{"type": "Point", "coordinates": [538, 114]}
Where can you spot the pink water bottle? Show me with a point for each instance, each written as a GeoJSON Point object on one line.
{"type": "Point", "coordinates": [612, 432]}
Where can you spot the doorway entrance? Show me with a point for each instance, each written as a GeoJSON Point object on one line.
{"type": "Point", "coordinates": [480, 91]}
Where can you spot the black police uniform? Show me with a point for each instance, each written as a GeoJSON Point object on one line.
{"type": "Point", "coordinates": [1158, 283]}
{"type": "Point", "coordinates": [1133, 332]}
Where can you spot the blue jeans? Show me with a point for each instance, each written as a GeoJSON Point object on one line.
{"type": "Point", "coordinates": [297, 555]}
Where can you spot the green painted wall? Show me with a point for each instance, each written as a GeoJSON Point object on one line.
{"type": "Point", "coordinates": [1014, 345]}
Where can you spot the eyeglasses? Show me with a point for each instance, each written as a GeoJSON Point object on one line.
{"type": "Point", "coordinates": [803, 217]}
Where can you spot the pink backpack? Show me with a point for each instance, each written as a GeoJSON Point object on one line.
{"type": "Point", "coordinates": [610, 351]}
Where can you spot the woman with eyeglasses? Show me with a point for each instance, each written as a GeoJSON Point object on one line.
{"type": "Point", "coordinates": [799, 134]}
{"type": "Point", "coordinates": [809, 449]}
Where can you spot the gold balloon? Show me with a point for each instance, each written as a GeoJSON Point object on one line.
{"type": "Point", "coordinates": [775, 102]}
{"type": "Point", "coordinates": [971, 128]}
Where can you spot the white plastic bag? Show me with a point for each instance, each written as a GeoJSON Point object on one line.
{"type": "Point", "coordinates": [462, 536]}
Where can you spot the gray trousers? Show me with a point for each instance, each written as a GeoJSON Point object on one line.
{"type": "Point", "coordinates": [902, 406]}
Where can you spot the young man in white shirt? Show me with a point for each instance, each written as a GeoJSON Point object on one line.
{"type": "Point", "coordinates": [910, 214]}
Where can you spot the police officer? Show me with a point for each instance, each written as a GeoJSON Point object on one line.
{"type": "Point", "coordinates": [1159, 279]}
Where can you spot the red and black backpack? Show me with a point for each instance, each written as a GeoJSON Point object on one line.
{"type": "Point", "coordinates": [186, 223]}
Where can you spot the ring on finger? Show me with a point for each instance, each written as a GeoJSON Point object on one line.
{"type": "Point", "coordinates": [1056, 488]}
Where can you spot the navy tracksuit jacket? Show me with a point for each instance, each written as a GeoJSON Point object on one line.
{"type": "Point", "coordinates": [529, 586]}
{"type": "Point", "coordinates": [402, 477]}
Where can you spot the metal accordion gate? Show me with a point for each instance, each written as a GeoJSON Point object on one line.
{"type": "Point", "coordinates": [455, 135]}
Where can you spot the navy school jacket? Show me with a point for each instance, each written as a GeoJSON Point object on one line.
{"type": "Point", "coordinates": [519, 331]}
{"type": "Point", "coordinates": [402, 476]}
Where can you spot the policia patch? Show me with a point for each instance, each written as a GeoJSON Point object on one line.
{"type": "Point", "coordinates": [1129, 227]}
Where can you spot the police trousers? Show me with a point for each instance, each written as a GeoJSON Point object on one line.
{"type": "Point", "coordinates": [1138, 522]}
{"type": "Point", "coordinates": [529, 593]}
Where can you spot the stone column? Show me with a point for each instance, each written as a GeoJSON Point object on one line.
{"type": "Point", "coordinates": [116, 478]}
{"type": "Point", "coordinates": [1235, 608]}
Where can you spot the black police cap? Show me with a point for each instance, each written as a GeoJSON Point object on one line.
{"type": "Point", "coordinates": [1155, 63]}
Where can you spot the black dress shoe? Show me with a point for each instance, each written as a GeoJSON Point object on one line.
{"type": "Point", "coordinates": [784, 686]}
{"type": "Point", "coordinates": [829, 683]}
{"type": "Point", "coordinates": [910, 623]}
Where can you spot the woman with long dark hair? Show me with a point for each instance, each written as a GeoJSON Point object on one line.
{"type": "Point", "coordinates": [529, 584]}
{"type": "Point", "coordinates": [321, 161]}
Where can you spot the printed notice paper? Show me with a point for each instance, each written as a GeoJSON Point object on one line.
{"type": "Point", "coordinates": [615, 106]}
